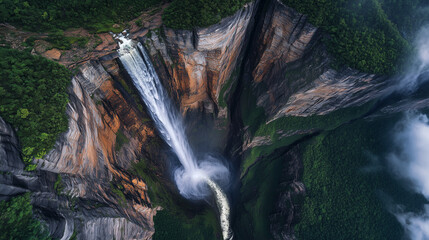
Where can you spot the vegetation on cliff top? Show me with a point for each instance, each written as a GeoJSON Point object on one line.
{"type": "Point", "coordinates": [187, 14]}
{"type": "Point", "coordinates": [101, 15]}
{"type": "Point", "coordinates": [361, 33]}
{"type": "Point", "coordinates": [364, 34]}
{"type": "Point", "coordinates": [17, 221]}
{"type": "Point", "coordinates": [33, 100]}
{"type": "Point", "coordinates": [45, 15]}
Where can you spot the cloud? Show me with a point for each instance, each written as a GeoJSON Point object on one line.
{"type": "Point", "coordinates": [419, 67]}
{"type": "Point", "coordinates": [410, 162]}
{"type": "Point", "coordinates": [416, 225]}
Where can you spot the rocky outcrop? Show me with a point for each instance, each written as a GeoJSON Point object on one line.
{"type": "Point", "coordinates": [52, 208]}
{"type": "Point", "coordinates": [200, 62]}
{"type": "Point", "coordinates": [91, 164]}
{"type": "Point", "coordinates": [256, 142]}
{"type": "Point", "coordinates": [53, 54]}
{"type": "Point", "coordinates": [290, 70]}
{"type": "Point", "coordinates": [333, 90]}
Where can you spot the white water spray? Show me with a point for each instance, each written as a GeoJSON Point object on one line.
{"type": "Point", "coordinates": [195, 180]}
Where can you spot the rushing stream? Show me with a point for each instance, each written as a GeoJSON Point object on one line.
{"type": "Point", "coordinates": [194, 179]}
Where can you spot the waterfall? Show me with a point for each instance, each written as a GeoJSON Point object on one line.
{"type": "Point", "coordinates": [194, 179]}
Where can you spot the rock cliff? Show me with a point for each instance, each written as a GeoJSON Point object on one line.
{"type": "Point", "coordinates": [199, 63]}
{"type": "Point", "coordinates": [91, 164]}
{"type": "Point", "coordinates": [290, 70]}
{"type": "Point", "coordinates": [287, 73]}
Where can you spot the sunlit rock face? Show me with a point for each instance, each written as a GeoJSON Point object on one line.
{"type": "Point", "coordinates": [290, 69]}
{"type": "Point", "coordinates": [200, 62]}
{"type": "Point", "coordinates": [86, 158]}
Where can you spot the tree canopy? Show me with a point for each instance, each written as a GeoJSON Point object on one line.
{"type": "Point", "coordinates": [33, 100]}
{"type": "Point", "coordinates": [363, 34]}
{"type": "Point", "coordinates": [17, 221]}
{"type": "Point", "coordinates": [367, 35]}
{"type": "Point", "coordinates": [46, 15]}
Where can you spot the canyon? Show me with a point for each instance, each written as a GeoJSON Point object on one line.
{"type": "Point", "coordinates": [257, 67]}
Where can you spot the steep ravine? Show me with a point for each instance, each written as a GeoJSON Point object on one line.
{"type": "Point", "coordinates": [286, 76]}
{"type": "Point", "coordinates": [264, 63]}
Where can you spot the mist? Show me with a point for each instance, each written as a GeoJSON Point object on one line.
{"type": "Point", "coordinates": [409, 162]}
{"type": "Point", "coordinates": [193, 184]}
{"type": "Point", "coordinates": [196, 178]}
{"type": "Point", "coordinates": [418, 70]}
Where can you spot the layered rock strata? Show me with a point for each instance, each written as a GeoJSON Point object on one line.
{"type": "Point", "coordinates": [92, 166]}
{"type": "Point", "coordinates": [290, 70]}
{"type": "Point", "coordinates": [199, 63]}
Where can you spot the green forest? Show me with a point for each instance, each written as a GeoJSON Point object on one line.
{"type": "Point", "coordinates": [33, 101]}
{"type": "Point", "coordinates": [17, 221]}
{"type": "Point", "coordinates": [46, 15]}
{"type": "Point", "coordinates": [367, 35]}
{"type": "Point", "coordinates": [343, 200]}
{"type": "Point", "coordinates": [100, 15]}
{"type": "Point", "coordinates": [343, 185]}
{"type": "Point", "coordinates": [364, 34]}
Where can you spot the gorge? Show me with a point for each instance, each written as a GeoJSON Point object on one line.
{"type": "Point", "coordinates": [193, 175]}
{"type": "Point", "coordinates": [259, 125]}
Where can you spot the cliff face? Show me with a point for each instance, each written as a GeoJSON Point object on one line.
{"type": "Point", "coordinates": [91, 163]}
{"type": "Point", "coordinates": [199, 63]}
{"type": "Point", "coordinates": [287, 72]}
{"type": "Point", "coordinates": [290, 70]}
{"type": "Point", "coordinates": [9, 162]}
{"type": "Point", "coordinates": [64, 213]}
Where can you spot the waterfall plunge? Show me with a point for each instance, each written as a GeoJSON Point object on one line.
{"type": "Point", "coordinates": [194, 179]}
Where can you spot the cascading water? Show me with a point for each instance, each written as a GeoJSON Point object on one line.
{"type": "Point", "coordinates": [194, 179]}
